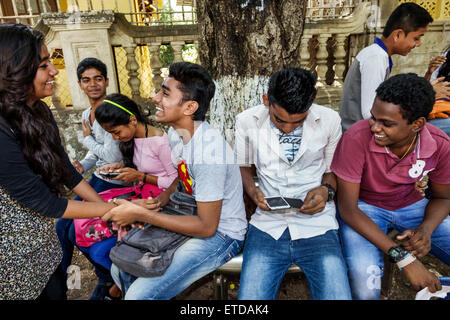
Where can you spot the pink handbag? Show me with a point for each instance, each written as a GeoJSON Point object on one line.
{"type": "Point", "coordinates": [89, 231]}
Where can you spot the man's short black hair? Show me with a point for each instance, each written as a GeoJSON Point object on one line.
{"type": "Point", "coordinates": [196, 84]}
{"type": "Point", "coordinates": [292, 89]}
{"type": "Point", "coordinates": [89, 63]}
{"type": "Point", "coordinates": [408, 17]}
{"type": "Point", "coordinates": [414, 95]}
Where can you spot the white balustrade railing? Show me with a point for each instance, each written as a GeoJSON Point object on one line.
{"type": "Point", "coordinates": [147, 14]}
{"type": "Point", "coordinates": [330, 9]}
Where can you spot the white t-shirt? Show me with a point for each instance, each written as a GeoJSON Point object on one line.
{"type": "Point", "coordinates": [214, 174]}
{"type": "Point", "coordinates": [369, 69]}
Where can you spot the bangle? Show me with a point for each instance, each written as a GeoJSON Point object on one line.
{"type": "Point", "coordinates": [408, 259]}
{"type": "Point", "coordinates": [114, 201]}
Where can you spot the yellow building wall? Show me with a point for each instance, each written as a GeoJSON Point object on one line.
{"type": "Point", "coordinates": [125, 6]}
{"type": "Point", "coordinates": [439, 9]}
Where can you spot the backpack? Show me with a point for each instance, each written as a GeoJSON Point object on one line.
{"type": "Point", "coordinates": [148, 252]}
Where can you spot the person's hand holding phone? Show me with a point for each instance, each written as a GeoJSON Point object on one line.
{"type": "Point", "coordinates": [110, 168]}
{"type": "Point", "coordinates": [259, 199]}
{"type": "Point", "coordinates": [435, 63]}
{"type": "Point", "coordinates": [315, 201]}
{"type": "Point", "coordinates": [128, 175]}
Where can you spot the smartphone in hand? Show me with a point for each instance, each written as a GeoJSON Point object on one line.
{"type": "Point", "coordinates": [278, 203]}
{"type": "Point", "coordinates": [109, 175]}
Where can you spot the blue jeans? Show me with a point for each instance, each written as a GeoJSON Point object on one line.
{"type": "Point", "coordinates": [66, 235]}
{"type": "Point", "coordinates": [266, 261]}
{"type": "Point", "coordinates": [365, 261]}
{"type": "Point", "coordinates": [443, 124]}
{"type": "Point", "coordinates": [194, 259]}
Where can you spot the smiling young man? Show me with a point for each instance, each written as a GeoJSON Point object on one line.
{"type": "Point", "coordinates": [373, 64]}
{"type": "Point", "coordinates": [102, 148]}
{"type": "Point", "coordinates": [290, 143]}
{"type": "Point", "coordinates": [382, 166]}
{"type": "Point", "coordinates": [208, 172]}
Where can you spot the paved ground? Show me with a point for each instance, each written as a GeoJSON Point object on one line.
{"type": "Point", "coordinates": [294, 286]}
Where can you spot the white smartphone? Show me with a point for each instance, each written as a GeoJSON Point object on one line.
{"type": "Point", "coordinates": [277, 203]}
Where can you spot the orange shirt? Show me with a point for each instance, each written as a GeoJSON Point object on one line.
{"type": "Point", "coordinates": [441, 109]}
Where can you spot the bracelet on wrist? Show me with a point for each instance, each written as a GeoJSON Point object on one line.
{"type": "Point", "coordinates": [407, 259]}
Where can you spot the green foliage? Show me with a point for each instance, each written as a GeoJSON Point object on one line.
{"type": "Point", "coordinates": [189, 53]}
{"type": "Point", "coordinates": [166, 55]}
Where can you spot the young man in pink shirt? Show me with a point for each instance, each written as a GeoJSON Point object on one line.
{"type": "Point", "coordinates": [382, 166]}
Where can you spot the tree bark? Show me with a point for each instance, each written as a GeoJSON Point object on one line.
{"type": "Point", "coordinates": [243, 42]}
{"type": "Point", "coordinates": [250, 37]}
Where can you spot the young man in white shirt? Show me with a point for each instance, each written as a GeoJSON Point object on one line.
{"type": "Point", "coordinates": [290, 142]}
{"type": "Point", "coordinates": [373, 64]}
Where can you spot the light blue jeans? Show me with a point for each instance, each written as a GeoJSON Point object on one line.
{"type": "Point", "coordinates": [365, 261]}
{"type": "Point", "coordinates": [266, 261]}
{"type": "Point", "coordinates": [194, 259]}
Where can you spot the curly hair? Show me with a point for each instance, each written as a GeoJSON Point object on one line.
{"type": "Point", "coordinates": [20, 49]}
{"type": "Point", "coordinates": [414, 95]}
{"type": "Point", "coordinates": [293, 89]}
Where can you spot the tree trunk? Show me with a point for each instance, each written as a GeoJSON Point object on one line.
{"type": "Point", "coordinates": [242, 42]}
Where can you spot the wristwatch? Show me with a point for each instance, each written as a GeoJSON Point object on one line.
{"type": "Point", "coordinates": [331, 191]}
{"type": "Point", "coordinates": [396, 254]}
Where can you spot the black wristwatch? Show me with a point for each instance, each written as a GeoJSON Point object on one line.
{"type": "Point", "coordinates": [331, 191]}
{"type": "Point", "coordinates": [396, 254]}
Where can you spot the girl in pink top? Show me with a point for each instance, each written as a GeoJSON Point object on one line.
{"type": "Point", "coordinates": [145, 149]}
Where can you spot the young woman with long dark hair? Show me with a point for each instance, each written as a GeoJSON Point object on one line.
{"type": "Point", "coordinates": [35, 172]}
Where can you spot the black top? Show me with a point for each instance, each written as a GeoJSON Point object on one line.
{"type": "Point", "coordinates": [24, 185]}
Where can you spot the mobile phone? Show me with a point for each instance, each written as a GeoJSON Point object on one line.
{"type": "Point", "coordinates": [294, 203]}
{"type": "Point", "coordinates": [277, 203]}
{"type": "Point", "coordinates": [109, 174]}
